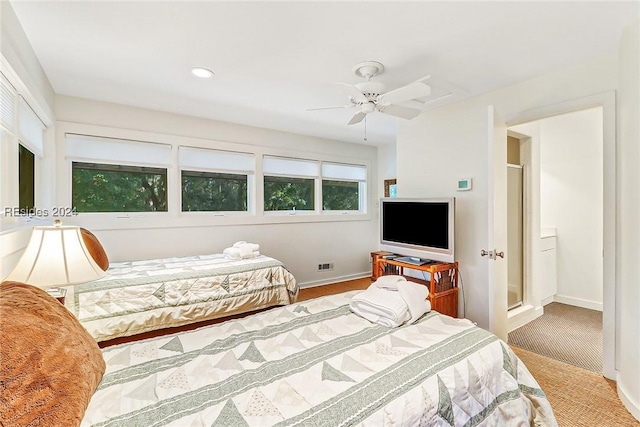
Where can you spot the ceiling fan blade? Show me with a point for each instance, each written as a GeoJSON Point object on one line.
{"type": "Point", "coordinates": [400, 111]}
{"type": "Point", "coordinates": [329, 108]}
{"type": "Point", "coordinates": [404, 93]}
{"type": "Point", "coordinates": [357, 118]}
{"type": "Point", "coordinates": [355, 93]}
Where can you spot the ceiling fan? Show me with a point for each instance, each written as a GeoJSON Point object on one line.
{"type": "Point", "coordinates": [370, 96]}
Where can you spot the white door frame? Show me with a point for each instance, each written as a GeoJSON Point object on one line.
{"type": "Point", "coordinates": [610, 317]}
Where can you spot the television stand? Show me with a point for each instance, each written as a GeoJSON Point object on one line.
{"type": "Point", "coordinates": [415, 260]}
{"type": "Point", "coordinates": [442, 283]}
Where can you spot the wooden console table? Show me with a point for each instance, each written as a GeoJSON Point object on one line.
{"type": "Point", "coordinates": [442, 281]}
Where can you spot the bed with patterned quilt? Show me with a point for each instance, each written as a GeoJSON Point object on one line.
{"type": "Point", "coordinates": [316, 363]}
{"type": "Point", "coordinates": [141, 296]}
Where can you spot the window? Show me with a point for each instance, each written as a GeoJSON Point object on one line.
{"type": "Point", "coordinates": [286, 194]}
{"type": "Point", "coordinates": [215, 180]}
{"type": "Point", "coordinates": [21, 144]}
{"type": "Point", "coordinates": [117, 175]}
{"type": "Point", "coordinates": [208, 191]}
{"type": "Point", "coordinates": [289, 184]}
{"type": "Point", "coordinates": [116, 188]}
{"type": "Point", "coordinates": [26, 178]}
{"type": "Point", "coordinates": [340, 196]}
{"type": "Point", "coordinates": [343, 187]}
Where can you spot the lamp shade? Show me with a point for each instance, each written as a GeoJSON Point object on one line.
{"type": "Point", "coordinates": [56, 256]}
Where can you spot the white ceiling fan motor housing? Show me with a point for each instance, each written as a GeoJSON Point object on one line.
{"type": "Point", "coordinates": [369, 107]}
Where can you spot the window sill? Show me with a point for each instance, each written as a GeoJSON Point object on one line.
{"type": "Point", "coordinates": [108, 221]}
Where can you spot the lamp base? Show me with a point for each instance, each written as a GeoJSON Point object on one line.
{"type": "Point", "coordinates": [57, 293]}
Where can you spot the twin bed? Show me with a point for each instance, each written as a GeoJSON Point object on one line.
{"type": "Point", "coordinates": [310, 363]}
{"type": "Point", "coordinates": [140, 296]}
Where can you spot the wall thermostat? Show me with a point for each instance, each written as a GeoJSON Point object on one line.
{"type": "Point", "coordinates": [464, 184]}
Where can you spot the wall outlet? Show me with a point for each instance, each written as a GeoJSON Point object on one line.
{"type": "Point", "coordinates": [325, 266]}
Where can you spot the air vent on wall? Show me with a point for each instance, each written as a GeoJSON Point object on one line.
{"type": "Point", "coordinates": [325, 266]}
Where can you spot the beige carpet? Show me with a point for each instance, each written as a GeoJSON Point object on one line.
{"type": "Point", "coordinates": [579, 398]}
{"type": "Point", "coordinates": [566, 333]}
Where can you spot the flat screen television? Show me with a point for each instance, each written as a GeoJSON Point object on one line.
{"type": "Point", "coordinates": [421, 228]}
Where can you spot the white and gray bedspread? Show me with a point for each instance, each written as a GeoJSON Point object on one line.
{"type": "Point", "coordinates": [314, 363]}
{"type": "Point", "coordinates": [140, 296]}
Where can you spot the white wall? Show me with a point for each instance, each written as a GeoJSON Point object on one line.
{"type": "Point", "coordinates": [301, 243]}
{"type": "Point", "coordinates": [571, 202]}
{"type": "Point", "coordinates": [434, 150]}
{"type": "Point", "coordinates": [628, 203]}
{"type": "Point", "coordinates": [386, 165]}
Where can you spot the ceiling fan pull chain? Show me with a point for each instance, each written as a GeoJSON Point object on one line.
{"type": "Point", "coordinates": [365, 128]}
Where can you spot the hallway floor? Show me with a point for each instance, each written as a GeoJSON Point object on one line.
{"type": "Point", "coordinates": [565, 333]}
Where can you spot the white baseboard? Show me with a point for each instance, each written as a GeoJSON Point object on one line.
{"type": "Point", "coordinates": [578, 302]}
{"type": "Point", "coordinates": [522, 315]}
{"type": "Point", "coordinates": [330, 280]}
{"type": "Point", "coordinates": [632, 407]}
{"type": "Point", "coordinates": [547, 300]}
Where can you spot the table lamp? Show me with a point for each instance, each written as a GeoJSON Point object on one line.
{"type": "Point", "coordinates": [55, 256]}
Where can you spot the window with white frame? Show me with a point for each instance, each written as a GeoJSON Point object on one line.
{"type": "Point", "coordinates": [215, 180]}
{"type": "Point", "coordinates": [289, 184]}
{"type": "Point", "coordinates": [343, 187]}
{"type": "Point", "coordinates": [116, 175]}
{"type": "Point", "coordinates": [22, 145]}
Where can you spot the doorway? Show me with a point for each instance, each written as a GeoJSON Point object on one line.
{"type": "Point", "coordinates": [567, 244]}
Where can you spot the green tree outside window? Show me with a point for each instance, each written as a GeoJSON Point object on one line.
{"type": "Point", "coordinates": [340, 195]}
{"type": "Point", "coordinates": [117, 188]}
{"type": "Point", "coordinates": [285, 194]}
{"type": "Point", "coordinates": [206, 191]}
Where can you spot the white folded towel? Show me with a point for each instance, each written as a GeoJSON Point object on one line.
{"type": "Point", "coordinates": [389, 282]}
{"type": "Point", "coordinates": [242, 250]}
{"type": "Point", "coordinates": [236, 253]}
{"type": "Point", "coordinates": [242, 244]}
{"type": "Point", "coordinates": [380, 306]}
{"type": "Point", "coordinates": [392, 301]}
{"type": "Point", "coordinates": [246, 250]}
{"type": "Point", "coordinates": [415, 296]}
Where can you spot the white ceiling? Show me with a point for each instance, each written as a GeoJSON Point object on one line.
{"type": "Point", "coordinates": [273, 60]}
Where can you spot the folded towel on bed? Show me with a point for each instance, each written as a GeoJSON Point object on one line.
{"type": "Point", "coordinates": [380, 306]}
{"type": "Point", "coordinates": [247, 246]}
{"type": "Point", "coordinates": [389, 282]}
{"type": "Point", "coordinates": [415, 295]}
{"type": "Point", "coordinates": [242, 250]}
{"type": "Point", "coordinates": [392, 302]}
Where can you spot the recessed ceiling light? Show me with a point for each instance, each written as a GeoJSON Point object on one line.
{"type": "Point", "coordinates": [201, 72]}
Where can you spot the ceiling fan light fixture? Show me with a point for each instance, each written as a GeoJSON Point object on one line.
{"type": "Point", "coordinates": [369, 107]}
{"type": "Point", "coordinates": [201, 72]}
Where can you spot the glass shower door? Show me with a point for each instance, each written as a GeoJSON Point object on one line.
{"type": "Point", "coordinates": [515, 237]}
